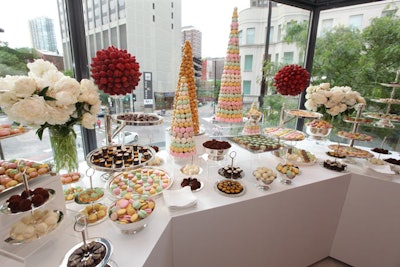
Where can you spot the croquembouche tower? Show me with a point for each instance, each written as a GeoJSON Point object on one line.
{"type": "Point", "coordinates": [187, 71]}
{"type": "Point", "coordinates": [230, 102]}
{"type": "Point", "coordinates": [182, 129]}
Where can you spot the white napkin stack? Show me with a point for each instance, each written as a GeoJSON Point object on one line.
{"type": "Point", "coordinates": [179, 199]}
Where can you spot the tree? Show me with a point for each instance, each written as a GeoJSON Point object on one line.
{"type": "Point", "coordinates": [337, 55]}
{"type": "Point", "coordinates": [380, 53]}
{"type": "Point", "coordinates": [13, 61]}
{"type": "Point", "coordinates": [297, 33]}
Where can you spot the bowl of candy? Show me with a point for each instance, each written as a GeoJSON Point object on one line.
{"type": "Point", "coordinates": [131, 213]}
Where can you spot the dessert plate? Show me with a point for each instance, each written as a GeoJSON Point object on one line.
{"type": "Point", "coordinates": [190, 173]}
{"type": "Point", "coordinates": [229, 195]}
{"type": "Point", "coordinates": [6, 210]}
{"type": "Point", "coordinates": [79, 198]}
{"type": "Point", "coordinates": [344, 171]}
{"type": "Point", "coordinates": [198, 189]}
{"type": "Point", "coordinates": [12, 241]}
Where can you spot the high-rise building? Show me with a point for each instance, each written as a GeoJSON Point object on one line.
{"type": "Point", "coordinates": [194, 36]}
{"type": "Point", "coordinates": [43, 34]}
{"type": "Point", "coordinates": [148, 30]}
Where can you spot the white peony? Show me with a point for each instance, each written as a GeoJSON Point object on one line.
{"type": "Point", "coordinates": [49, 79]}
{"type": "Point", "coordinates": [95, 109]}
{"type": "Point", "coordinates": [310, 105]}
{"type": "Point", "coordinates": [31, 111]}
{"type": "Point", "coordinates": [39, 67]}
{"type": "Point", "coordinates": [88, 120]}
{"type": "Point", "coordinates": [89, 93]}
{"type": "Point", "coordinates": [24, 87]}
{"type": "Point", "coordinates": [331, 104]}
{"type": "Point", "coordinates": [319, 99]}
{"type": "Point", "coordinates": [337, 96]}
{"type": "Point", "coordinates": [60, 115]}
{"type": "Point", "coordinates": [66, 91]}
{"type": "Point", "coordinates": [7, 99]}
{"type": "Point", "coordinates": [325, 86]}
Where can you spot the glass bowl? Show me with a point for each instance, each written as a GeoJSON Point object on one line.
{"type": "Point", "coordinates": [130, 215]}
{"type": "Point", "coordinates": [318, 133]}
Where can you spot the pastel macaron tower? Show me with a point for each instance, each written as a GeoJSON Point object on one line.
{"type": "Point", "coordinates": [252, 125]}
{"type": "Point", "coordinates": [182, 130]}
{"type": "Point", "coordinates": [230, 102]}
{"type": "Point", "coordinates": [187, 70]}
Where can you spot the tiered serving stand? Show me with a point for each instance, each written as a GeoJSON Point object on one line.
{"type": "Point", "coordinates": [123, 120]}
{"type": "Point", "coordinates": [19, 248]}
{"type": "Point", "coordinates": [385, 120]}
{"type": "Point", "coordinates": [10, 136]}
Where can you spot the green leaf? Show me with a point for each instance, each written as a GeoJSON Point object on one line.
{"type": "Point", "coordinates": [39, 132]}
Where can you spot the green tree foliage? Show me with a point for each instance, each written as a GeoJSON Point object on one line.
{"type": "Point", "coordinates": [296, 32]}
{"type": "Point", "coordinates": [380, 57]}
{"type": "Point", "coordinates": [13, 61]}
{"type": "Point", "coordinates": [337, 55]}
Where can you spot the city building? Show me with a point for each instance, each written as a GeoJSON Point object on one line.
{"type": "Point", "coordinates": [253, 23]}
{"type": "Point", "coordinates": [42, 34]}
{"type": "Point", "coordinates": [194, 36]}
{"type": "Point", "coordinates": [149, 30]}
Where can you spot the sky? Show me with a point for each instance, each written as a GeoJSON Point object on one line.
{"type": "Point", "coordinates": [211, 17]}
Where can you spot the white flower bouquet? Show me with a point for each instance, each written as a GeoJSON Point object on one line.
{"type": "Point", "coordinates": [333, 101]}
{"type": "Point", "coordinates": [47, 98]}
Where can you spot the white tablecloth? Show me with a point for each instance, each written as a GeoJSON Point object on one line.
{"type": "Point", "coordinates": [288, 225]}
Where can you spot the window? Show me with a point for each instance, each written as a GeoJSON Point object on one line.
{"type": "Point", "coordinates": [248, 62]}
{"type": "Point", "coordinates": [240, 38]}
{"type": "Point", "coordinates": [279, 33]}
{"type": "Point", "coordinates": [355, 21]}
{"type": "Point", "coordinates": [287, 57]}
{"type": "Point", "coordinates": [276, 57]}
{"type": "Point", "coordinates": [271, 34]}
{"type": "Point", "coordinates": [327, 25]}
{"type": "Point", "coordinates": [250, 35]}
{"type": "Point", "coordinates": [246, 87]}
{"type": "Point", "coordinates": [388, 13]}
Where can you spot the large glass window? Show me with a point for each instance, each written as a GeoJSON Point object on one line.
{"type": "Point", "coordinates": [271, 34]}
{"type": "Point", "coordinates": [340, 58]}
{"type": "Point", "coordinates": [250, 32]}
{"type": "Point", "coordinates": [246, 87]}
{"type": "Point", "coordinates": [355, 21]}
{"type": "Point", "coordinates": [248, 62]}
{"type": "Point", "coordinates": [288, 58]}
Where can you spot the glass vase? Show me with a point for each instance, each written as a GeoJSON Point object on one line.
{"type": "Point", "coordinates": [63, 143]}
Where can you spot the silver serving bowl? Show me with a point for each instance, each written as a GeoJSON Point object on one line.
{"type": "Point", "coordinates": [318, 133]}
{"type": "Point", "coordinates": [129, 227]}
{"type": "Point", "coordinates": [216, 154]}
{"type": "Point", "coordinates": [106, 260]}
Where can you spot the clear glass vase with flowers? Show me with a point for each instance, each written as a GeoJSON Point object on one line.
{"type": "Point", "coordinates": [46, 98]}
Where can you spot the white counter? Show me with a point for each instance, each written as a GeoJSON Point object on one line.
{"type": "Point", "coordinates": [350, 216]}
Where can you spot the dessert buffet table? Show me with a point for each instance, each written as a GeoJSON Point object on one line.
{"type": "Point", "coordinates": [352, 216]}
